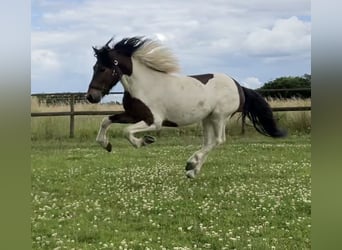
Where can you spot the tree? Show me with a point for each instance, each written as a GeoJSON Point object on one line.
{"type": "Point", "coordinates": [288, 82]}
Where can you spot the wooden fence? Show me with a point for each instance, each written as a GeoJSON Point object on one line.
{"type": "Point", "coordinates": [72, 113]}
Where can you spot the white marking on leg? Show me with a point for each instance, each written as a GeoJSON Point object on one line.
{"type": "Point", "coordinates": [214, 134]}
{"type": "Point", "coordinates": [219, 130]}
{"type": "Point", "coordinates": [223, 133]}
{"type": "Point", "coordinates": [200, 156]}
{"type": "Point", "coordinates": [101, 135]}
{"type": "Point", "coordinates": [208, 132]}
{"type": "Point", "coordinates": [191, 174]}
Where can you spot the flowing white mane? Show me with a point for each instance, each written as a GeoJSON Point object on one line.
{"type": "Point", "coordinates": [157, 57]}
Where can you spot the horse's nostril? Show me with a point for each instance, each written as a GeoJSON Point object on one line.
{"type": "Point", "coordinates": [90, 98]}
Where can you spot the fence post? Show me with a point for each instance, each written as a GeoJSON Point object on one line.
{"type": "Point", "coordinates": [72, 116]}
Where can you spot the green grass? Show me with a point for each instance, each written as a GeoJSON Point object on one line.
{"type": "Point", "coordinates": [252, 193]}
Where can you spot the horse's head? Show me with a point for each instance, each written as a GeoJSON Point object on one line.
{"type": "Point", "coordinates": [108, 70]}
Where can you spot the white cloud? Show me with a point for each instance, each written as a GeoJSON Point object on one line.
{"type": "Point", "coordinates": [235, 37]}
{"type": "Point", "coordinates": [45, 67]}
{"type": "Point", "coordinates": [251, 82]}
{"type": "Point", "coordinates": [55, 39]}
{"type": "Point", "coordinates": [285, 37]}
{"type": "Point", "coordinates": [45, 59]}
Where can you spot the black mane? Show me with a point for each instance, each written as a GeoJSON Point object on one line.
{"type": "Point", "coordinates": [128, 46]}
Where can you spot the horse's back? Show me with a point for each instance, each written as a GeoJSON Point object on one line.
{"type": "Point", "coordinates": [192, 98]}
{"type": "Point", "coordinates": [216, 85]}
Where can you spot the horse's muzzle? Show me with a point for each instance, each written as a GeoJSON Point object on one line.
{"type": "Point", "coordinates": [94, 96]}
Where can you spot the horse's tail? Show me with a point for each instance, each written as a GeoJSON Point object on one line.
{"type": "Point", "coordinates": [260, 113]}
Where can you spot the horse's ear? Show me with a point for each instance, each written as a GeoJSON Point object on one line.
{"type": "Point", "coordinates": [107, 44]}
{"type": "Point", "coordinates": [95, 50]}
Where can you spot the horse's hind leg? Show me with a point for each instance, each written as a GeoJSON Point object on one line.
{"type": "Point", "coordinates": [195, 162]}
{"type": "Point", "coordinates": [213, 130]}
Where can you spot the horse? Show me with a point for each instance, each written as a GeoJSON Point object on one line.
{"type": "Point", "coordinates": [156, 95]}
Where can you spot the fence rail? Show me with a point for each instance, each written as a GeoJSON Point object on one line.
{"type": "Point", "coordinates": [72, 113]}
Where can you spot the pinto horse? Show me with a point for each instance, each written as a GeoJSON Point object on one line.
{"type": "Point", "coordinates": [155, 96]}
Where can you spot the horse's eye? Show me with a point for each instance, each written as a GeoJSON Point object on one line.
{"type": "Point", "coordinates": [102, 69]}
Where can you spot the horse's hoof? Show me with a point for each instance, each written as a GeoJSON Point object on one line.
{"type": "Point", "coordinates": [190, 174]}
{"type": "Point", "coordinates": [109, 147]}
{"type": "Point", "coordinates": [148, 139]}
{"type": "Point", "coordinates": [189, 166]}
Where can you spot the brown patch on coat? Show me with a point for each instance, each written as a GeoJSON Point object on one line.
{"type": "Point", "coordinates": [136, 109]}
{"type": "Point", "coordinates": [167, 123]}
{"type": "Point", "coordinates": [126, 66]}
{"type": "Point", "coordinates": [203, 78]}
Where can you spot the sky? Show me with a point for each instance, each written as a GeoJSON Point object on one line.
{"type": "Point", "coordinates": [253, 41]}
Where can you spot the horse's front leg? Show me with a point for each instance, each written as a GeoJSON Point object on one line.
{"type": "Point", "coordinates": [141, 126]}
{"type": "Point", "coordinates": [101, 137]}
{"type": "Point", "coordinates": [106, 122]}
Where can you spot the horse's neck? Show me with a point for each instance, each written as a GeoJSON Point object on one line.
{"type": "Point", "coordinates": [143, 78]}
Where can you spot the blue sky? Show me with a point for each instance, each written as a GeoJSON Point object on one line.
{"type": "Point", "coordinates": [253, 41]}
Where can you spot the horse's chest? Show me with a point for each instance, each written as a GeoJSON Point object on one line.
{"type": "Point", "coordinates": [137, 109]}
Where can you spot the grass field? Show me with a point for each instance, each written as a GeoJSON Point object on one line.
{"type": "Point", "coordinates": [253, 192]}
